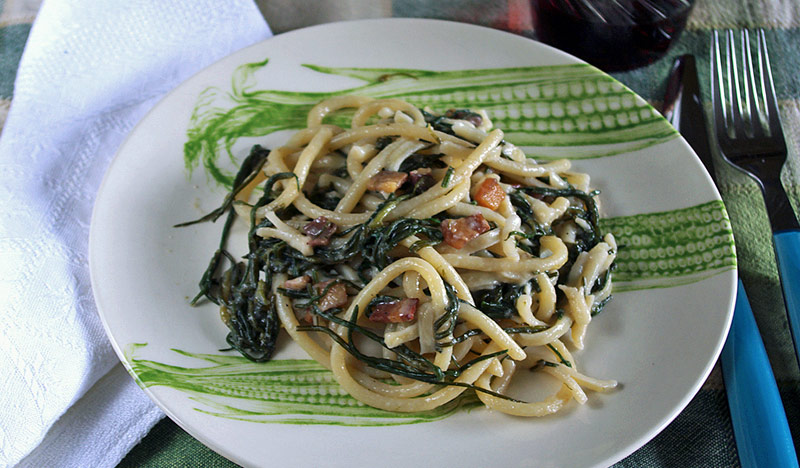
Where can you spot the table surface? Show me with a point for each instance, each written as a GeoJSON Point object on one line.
{"type": "Point", "coordinates": [702, 434]}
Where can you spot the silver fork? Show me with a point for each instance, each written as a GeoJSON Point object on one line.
{"type": "Point", "coordinates": [749, 135]}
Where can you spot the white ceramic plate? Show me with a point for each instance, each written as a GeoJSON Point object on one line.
{"type": "Point", "coordinates": [659, 337]}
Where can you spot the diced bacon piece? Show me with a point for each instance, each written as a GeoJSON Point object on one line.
{"type": "Point", "coordinates": [304, 316]}
{"type": "Point", "coordinates": [335, 297]}
{"type": "Point", "coordinates": [320, 230]}
{"type": "Point", "coordinates": [296, 284]}
{"type": "Point", "coordinates": [490, 194]}
{"type": "Point", "coordinates": [387, 181]}
{"type": "Point", "coordinates": [395, 311]}
{"type": "Point", "coordinates": [457, 232]}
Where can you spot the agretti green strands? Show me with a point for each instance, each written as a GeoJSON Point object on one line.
{"type": "Point", "coordinates": [289, 391]}
{"type": "Point", "coordinates": [671, 248]}
{"type": "Point", "coordinates": [569, 111]}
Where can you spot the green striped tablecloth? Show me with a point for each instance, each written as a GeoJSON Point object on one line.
{"type": "Point", "coordinates": [702, 435]}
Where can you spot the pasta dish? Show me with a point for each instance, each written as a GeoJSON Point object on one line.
{"type": "Point", "coordinates": [415, 254]}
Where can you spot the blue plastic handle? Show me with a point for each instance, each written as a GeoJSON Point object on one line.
{"type": "Point", "coordinates": [787, 249]}
{"type": "Point", "coordinates": [759, 420]}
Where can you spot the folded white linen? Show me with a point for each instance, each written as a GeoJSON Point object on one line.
{"type": "Point", "coordinates": [89, 72]}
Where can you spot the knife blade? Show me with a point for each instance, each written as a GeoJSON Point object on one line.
{"type": "Point", "coordinates": [759, 419]}
{"type": "Point", "coordinates": [683, 108]}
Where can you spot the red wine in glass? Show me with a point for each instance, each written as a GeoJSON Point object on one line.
{"type": "Point", "coordinates": [613, 35]}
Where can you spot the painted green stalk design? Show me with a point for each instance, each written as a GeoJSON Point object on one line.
{"type": "Point", "coordinates": [289, 391]}
{"type": "Point", "coordinates": [568, 111]}
{"type": "Point", "coordinates": [572, 111]}
{"type": "Point", "coordinates": [671, 248]}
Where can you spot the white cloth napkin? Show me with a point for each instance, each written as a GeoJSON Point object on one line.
{"type": "Point", "coordinates": [89, 72]}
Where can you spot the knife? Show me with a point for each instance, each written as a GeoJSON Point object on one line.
{"type": "Point", "coordinates": [759, 420]}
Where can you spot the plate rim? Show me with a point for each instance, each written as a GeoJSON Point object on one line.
{"type": "Point", "coordinates": [211, 443]}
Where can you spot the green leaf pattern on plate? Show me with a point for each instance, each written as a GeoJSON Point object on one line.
{"type": "Point", "coordinates": [288, 391]}
{"type": "Point", "coordinates": [671, 248]}
{"type": "Point", "coordinates": [573, 111]}
{"type": "Point", "coordinates": [568, 111]}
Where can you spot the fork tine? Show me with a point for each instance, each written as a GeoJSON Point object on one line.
{"type": "Point", "coordinates": [734, 90]}
{"type": "Point", "coordinates": [751, 96]}
{"type": "Point", "coordinates": [760, 156]}
{"type": "Point", "coordinates": [720, 109]}
{"type": "Point", "coordinates": [768, 87]}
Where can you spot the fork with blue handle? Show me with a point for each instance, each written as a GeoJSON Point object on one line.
{"type": "Point", "coordinates": [749, 136]}
{"type": "Point", "coordinates": [748, 129]}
